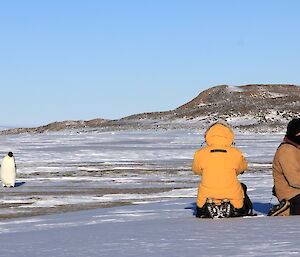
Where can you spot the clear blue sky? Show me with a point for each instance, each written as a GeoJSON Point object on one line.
{"type": "Point", "coordinates": [72, 60]}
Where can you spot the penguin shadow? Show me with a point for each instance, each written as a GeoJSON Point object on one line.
{"type": "Point", "coordinates": [193, 207]}
{"type": "Point", "coordinates": [18, 184]}
{"type": "Point", "coordinates": [262, 207]}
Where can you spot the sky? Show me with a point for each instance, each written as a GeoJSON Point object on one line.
{"type": "Point", "coordinates": [85, 59]}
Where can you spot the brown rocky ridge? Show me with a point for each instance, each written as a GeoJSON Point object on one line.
{"type": "Point", "coordinates": [257, 107]}
{"type": "Point", "coordinates": [56, 126]}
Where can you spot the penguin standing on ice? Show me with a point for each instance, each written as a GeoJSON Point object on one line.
{"type": "Point", "coordinates": [8, 170]}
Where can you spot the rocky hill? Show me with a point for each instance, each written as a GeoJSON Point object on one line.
{"type": "Point", "coordinates": [57, 126]}
{"type": "Point", "coordinates": [260, 107]}
{"type": "Point", "coordinates": [245, 106]}
{"type": "Point", "coordinates": [251, 107]}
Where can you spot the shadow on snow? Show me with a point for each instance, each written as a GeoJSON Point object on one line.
{"type": "Point", "coordinates": [18, 184]}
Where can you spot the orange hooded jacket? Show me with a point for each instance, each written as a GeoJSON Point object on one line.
{"type": "Point", "coordinates": [219, 164]}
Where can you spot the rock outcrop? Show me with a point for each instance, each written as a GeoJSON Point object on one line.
{"type": "Point", "coordinates": [57, 126]}
{"type": "Point", "coordinates": [259, 107]}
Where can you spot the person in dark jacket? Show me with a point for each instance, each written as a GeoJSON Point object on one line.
{"type": "Point", "coordinates": [286, 170]}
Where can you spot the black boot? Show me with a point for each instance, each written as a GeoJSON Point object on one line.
{"type": "Point", "coordinates": [199, 212]}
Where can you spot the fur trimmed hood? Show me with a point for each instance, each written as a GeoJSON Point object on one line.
{"type": "Point", "coordinates": [219, 133]}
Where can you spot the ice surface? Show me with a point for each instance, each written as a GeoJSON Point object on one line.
{"type": "Point", "coordinates": [67, 161]}
{"type": "Point", "coordinates": [62, 169]}
{"type": "Point", "coordinates": [165, 228]}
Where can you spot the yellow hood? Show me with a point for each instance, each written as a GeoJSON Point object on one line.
{"type": "Point", "coordinates": [219, 134]}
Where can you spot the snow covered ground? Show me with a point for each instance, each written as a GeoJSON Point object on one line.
{"type": "Point", "coordinates": [165, 228]}
{"type": "Point", "coordinates": [147, 175]}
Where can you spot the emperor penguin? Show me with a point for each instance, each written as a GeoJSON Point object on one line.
{"type": "Point", "coordinates": [8, 170]}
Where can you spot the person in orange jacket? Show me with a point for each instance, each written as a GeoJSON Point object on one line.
{"type": "Point", "coordinates": [219, 164]}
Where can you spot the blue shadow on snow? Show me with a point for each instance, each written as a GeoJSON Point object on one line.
{"type": "Point", "coordinates": [18, 184]}
{"type": "Point", "coordinates": [193, 207]}
{"type": "Point", "coordinates": [262, 207]}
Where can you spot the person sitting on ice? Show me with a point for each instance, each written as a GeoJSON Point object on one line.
{"type": "Point", "coordinates": [220, 194]}
{"type": "Point", "coordinates": [286, 172]}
